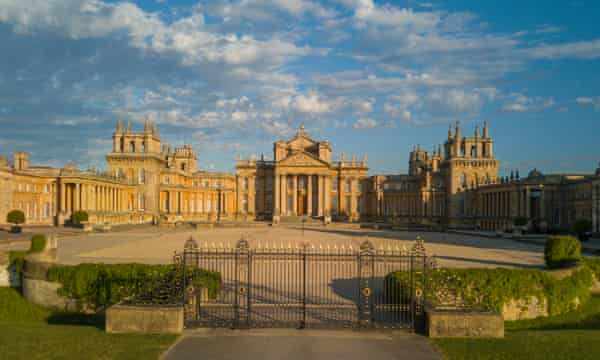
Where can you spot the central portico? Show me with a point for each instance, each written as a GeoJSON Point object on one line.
{"type": "Point", "coordinates": [302, 180]}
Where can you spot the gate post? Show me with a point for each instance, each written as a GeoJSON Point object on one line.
{"type": "Point", "coordinates": [366, 265]}
{"type": "Point", "coordinates": [242, 284]}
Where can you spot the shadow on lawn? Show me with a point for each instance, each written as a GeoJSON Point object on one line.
{"type": "Point", "coordinates": [75, 319]}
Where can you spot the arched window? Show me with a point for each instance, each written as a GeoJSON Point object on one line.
{"type": "Point", "coordinates": [473, 151]}
{"type": "Point", "coordinates": [143, 146]}
{"type": "Point", "coordinates": [183, 167]}
{"type": "Point", "coordinates": [132, 146]}
{"type": "Point", "coordinates": [141, 176]}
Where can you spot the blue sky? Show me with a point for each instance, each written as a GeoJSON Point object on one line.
{"type": "Point", "coordinates": [232, 76]}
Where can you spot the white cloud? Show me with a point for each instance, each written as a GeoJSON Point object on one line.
{"type": "Point", "coordinates": [312, 103]}
{"type": "Point", "coordinates": [364, 106]}
{"type": "Point", "coordinates": [521, 103]}
{"type": "Point", "coordinates": [589, 101]}
{"type": "Point", "coordinates": [365, 123]}
{"type": "Point", "coordinates": [187, 37]}
{"type": "Point", "coordinates": [576, 50]}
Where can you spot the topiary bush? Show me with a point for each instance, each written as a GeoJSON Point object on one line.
{"type": "Point", "coordinates": [582, 227]}
{"type": "Point", "coordinates": [15, 217]}
{"type": "Point", "coordinates": [561, 251]}
{"type": "Point", "coordinates": [78, 217]}
{"type": "Point", "coordinates": [17, 257]}
{"type": "Point", "coordinates": [521, 221]}
{"type": "Point", "coordinates": [38, 243]}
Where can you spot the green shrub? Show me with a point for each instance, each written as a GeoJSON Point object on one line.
{"type": "Point", "coordinates": [79, 216]}
{"type": "Point", "coordinates": [102, 285]}
{"type": "Point", "coordinates": [490, 289]}
{"type": "Point", "coordinates": [38, 243]}
{"type": "Point", "coordinates": [561, 251]}
{"type": "Point", "coordinates": [17, 258]}
{"type": "Point", "coordinates": [582, 226]}
{"type": "Point", "coordinates": [594, 265]}
{"type": "Point", "coordinates": [521, 221]}
{"type": "Point", "coordinates": [16, 217]}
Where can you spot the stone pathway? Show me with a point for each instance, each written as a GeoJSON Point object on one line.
{"type": "Point", "coordinates": [300, 345]}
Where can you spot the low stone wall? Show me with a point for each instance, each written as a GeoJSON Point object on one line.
{"type": "Point", "coordinates": [464, 324]}
{"type": "Point", "coordinates": [38, 290]}
{"type": "Point", "coordinates": [8, 276]}
{"type": "Point", "coordinates": [523, 309]}
{"type": "Point", "coordinates": [123, 319]}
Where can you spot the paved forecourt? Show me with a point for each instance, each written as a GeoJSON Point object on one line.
{"type": "Point", "coordinates": [155, 245]}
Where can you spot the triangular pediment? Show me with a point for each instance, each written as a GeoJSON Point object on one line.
{"type": "Point", "coordinates": [302, 158]}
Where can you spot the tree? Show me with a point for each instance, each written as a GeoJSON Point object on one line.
{"type": "Point", "coordinates": [581, 228]}
{"type": "Point", "coordinates": [15, 217]}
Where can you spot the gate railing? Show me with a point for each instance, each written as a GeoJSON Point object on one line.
{"type": "Point", "coordinates": [305, 286]}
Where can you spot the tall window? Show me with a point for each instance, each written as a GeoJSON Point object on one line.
{"type": "Point", "coordinates": [245, 183]}
{"type": "Point", "coordinates": [334, 205]}
{"type": "Point", "coordinates": [245, 203]}
{"type": "Point", "coordinates": [167, 207]}
{"type": "Point", "coordinates": [141, 176]}
{"type": "Point", "coordinates": [348, 187]}
{"type": "Point", "coordinates": [290, 183]}
{"type": "Point", "coordinates": [348, 204]}
{"type": "Point", "coordinates": [200, 205]}
{"type": "Point", "coordinates": [335, 185]}
{"type": "Point", "coordinates": [208, 205]}
{"type": "Point", "coordinates": [132, 146]}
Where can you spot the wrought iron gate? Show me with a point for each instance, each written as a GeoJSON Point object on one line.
{"type": "Point", "coordinates": [302, 287]}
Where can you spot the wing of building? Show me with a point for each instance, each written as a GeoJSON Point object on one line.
{"type": "Point", "coordinates": [457, 185]}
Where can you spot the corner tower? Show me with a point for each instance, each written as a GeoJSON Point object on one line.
{"type": "Point", "coordinates": [469, 162]}
{"type": "Point", "coordinates": [137, 158]}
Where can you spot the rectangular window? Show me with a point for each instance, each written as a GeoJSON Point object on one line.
{"type": "Point", "coordinates": [245, 203]}
{"type": "Point", "coordinates": [348, 204]}
{"type": "Point", "coordinates": [348, 186]}
{"type": "Point", "coordinates": [335, 185]}
{"type": "Point", "coordinates": [290, 183]}
{"type": "Point", "coordinates": [200, 205]}
{"type": "Point", "coordinates": [245, 183]}
{"type": "Point", "coordinates": [208, 205]}
{"type": "Point", "coordinates": [192, 206]}
{"type": "Point", "coordinates": [301, 183]}
{"type": "Point", "coordinates": [290, 203]}
{"type": "Point", "coordinates": [334, 205]}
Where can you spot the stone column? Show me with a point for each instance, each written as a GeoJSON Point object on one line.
{"type": "Point", "coordinates": [276, 195]}
{"type": "Point", "coordinates": [327, 195]}
{"type": "Point", "coordinates": [295, 195]}
{"type": "Point", "coordinates": [251, 194]}
{"type": "Point", "coordinates": [63, 197]}
{"type": "Point", "coordinates": [77, 197]}
{"type": "Point", "coordinates": [320, 195]}
{"type": "Point", "coordinates": [284, 194]}
{"type": "Point", "coordinates": [309, 196]}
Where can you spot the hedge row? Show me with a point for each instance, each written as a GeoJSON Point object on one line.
{"type": "Point", "coordinates": [101, 285]}
{"type": "Point", "coordinates": [490, 289]}
{"type": "Point", "coordinates": [17, 257]}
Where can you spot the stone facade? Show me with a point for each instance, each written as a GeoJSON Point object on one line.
{"type": "Point", "coordinates": [302, 180]}
{"type": "Point", "coordinates": [455, 185]}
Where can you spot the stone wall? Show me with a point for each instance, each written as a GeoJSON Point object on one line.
{"type": "Point", "coordinates": [522, 309]}
{"type": "Point", "coordinates": [144, 319]}
{"type": "Point", "coordinates": [464, 324]}
{"type": "Point", "coordinates": [8, 276]}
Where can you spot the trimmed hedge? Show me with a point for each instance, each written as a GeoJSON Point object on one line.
{"type": "Point", "coordinates": [15, 217]}
{"type": "Point", "coordinates": [102, 285]}
{"type": "Point", "coordinates": [79, 216]}
{"type": "Point", "coordinates": [562, 251]}
{"type": "Point", "coordinates": [594, 265]}
{"type": "Point", "coordinates": [16, 258]}
{"type": "Point", "coordinates": [490, 289]}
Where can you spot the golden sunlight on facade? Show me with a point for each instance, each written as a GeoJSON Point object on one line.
{"type": "Point", "coordinates": [146, 181]}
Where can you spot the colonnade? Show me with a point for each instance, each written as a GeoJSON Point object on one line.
{"type": "Point", "coordinates": [75, 196]}
{"type": "Point", "coordinates": [318, 203]}
{"type": "Point", "coordinates": [178, 202]}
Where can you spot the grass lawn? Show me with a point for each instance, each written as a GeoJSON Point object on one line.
{"type": "Point", "coordinates": [28, 331]}
{"type": "Point", "coordinates": [574, 335]}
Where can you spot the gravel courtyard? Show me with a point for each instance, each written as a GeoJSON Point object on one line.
{"type": "Point", "coordinates": [156, 245]}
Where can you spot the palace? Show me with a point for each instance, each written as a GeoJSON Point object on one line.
{"type": "Point", "coordinates": [456, 185]}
